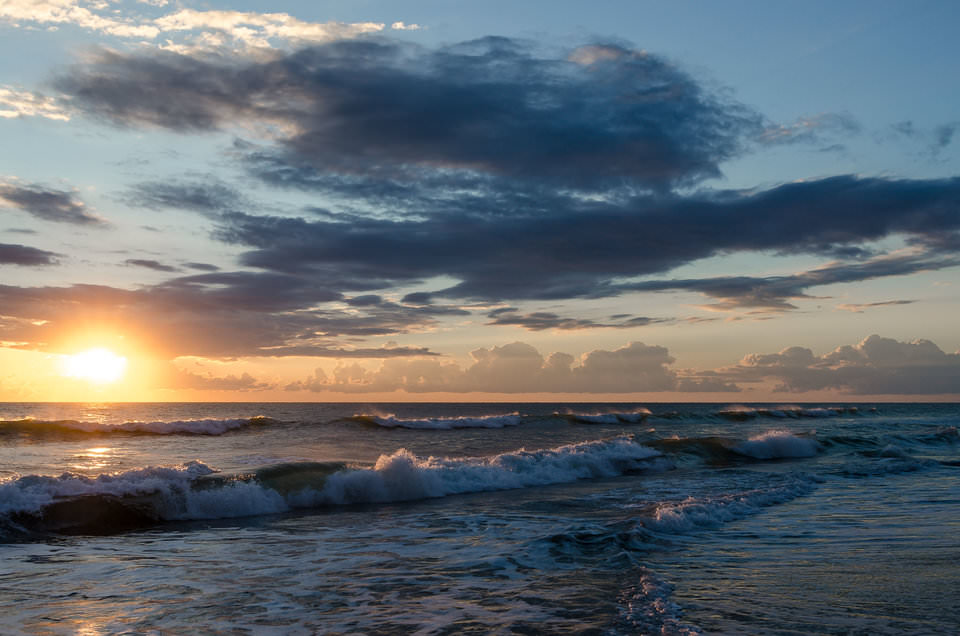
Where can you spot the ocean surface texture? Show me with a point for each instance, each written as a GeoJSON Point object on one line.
{"type": "Point", "coordinates": [470, 518]}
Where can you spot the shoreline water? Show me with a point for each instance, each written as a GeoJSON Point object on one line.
{"type": "Point", "coordinates": [544, 518]}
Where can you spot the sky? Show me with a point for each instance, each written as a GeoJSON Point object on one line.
{"type": "Point", "coordinates": [364, 200]}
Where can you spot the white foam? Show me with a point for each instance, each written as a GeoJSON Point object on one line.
{"type": "Point", "coordinates": [445, 423]}
{"type": "Point", "coordinates": [694, 514]}
{"type": "Point", "coordinates": [648, 609]}
{"type": "Point", "coordinates": [31, 494]}
{"type": "Point", "coordinates": [776, 445]}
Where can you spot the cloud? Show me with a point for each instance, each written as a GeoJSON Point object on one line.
{"type": "Point", "coordinates": [20, 103]}
{"type": "Point", "coordinates": [217, 315]}
{"type": "Point", "coordinates": [49, 204]}
{"type": "Point", "coordinates": [935, 140]}
{"type": "Point", "coordinates": [185, 29]}
{"type": "Point", "coordinates": [84, 14]}
{"type": "Point", "coordinates": [520, 174]}
{"type": "Point", "coordinates": [179, 379]}
{"type": "Point", "coordinates": [811, 129]}
{"type": "Point", "coordinates": [875, 366]}
{"type": "Point", "coordinates": [202, 267]}
{"type": "Point", "coordinates": [147, 263]}
{"type": "Point", "coordinates": [493, 106]}
{"type": "Point", "coordinates": [512, 368]}
{"type": "Point", "coordinates": [859, 308]}
{"type": "Point", "coordinates": [206, 197]}
{"type": "Point", "coordinates": [542, 320]}
{"type": "Point", "coordinates": [773, 293]}
{"type": "Point", "coordinates": [589, 250]}
{"type": "Point", "coordinates": [12, 254]}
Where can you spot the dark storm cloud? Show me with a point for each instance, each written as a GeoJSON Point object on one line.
{"type": "Point", "coordinates": [13, 254]}
{"type": "Point", "coordinates": [148, 263]}
{"type": "Point", "coordinates": [773, 293]}
{"type": "Point", "coordinates": [542, 320]}
{"type": "Point", "coordinates": [494, 106]}
{"type": "Point", "coordinates": [588, 248]}
{"type": "Point", "coordinates": [520, 175]}
{"type": "Point", "coordinates": [49, 204]}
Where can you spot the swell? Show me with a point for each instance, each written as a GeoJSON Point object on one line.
{"type": "Point", "coordinates": [73, 503]}
{"type": "Point", "coordinates": [29, 427]}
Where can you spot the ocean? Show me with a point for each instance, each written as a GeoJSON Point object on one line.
{"type": "Point", "coordinates": [266, 518]}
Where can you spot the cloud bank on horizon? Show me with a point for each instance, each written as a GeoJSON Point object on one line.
{"type": "Point", "coordinates": [369, 189]}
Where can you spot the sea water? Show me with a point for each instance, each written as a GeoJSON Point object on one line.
{"type": "Point", "coordinates": [479, 518]}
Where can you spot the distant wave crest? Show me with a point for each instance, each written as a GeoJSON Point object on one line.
{"type": "Point", "coordinates": [30, 426]}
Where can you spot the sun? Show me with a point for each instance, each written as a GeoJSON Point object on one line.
{"type": "Point", "coordinates": [100, 366]}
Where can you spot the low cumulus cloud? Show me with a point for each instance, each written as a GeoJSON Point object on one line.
{"type": "Point", "coordinates": [875, 366]}
{"type": "Point", "coordinates": [15, 103]}
{"type": "Point", "coordinates": [184, 29]}
{"type": "Point", "coordinates": [46, 203]}
{"type": "Point", "coordinates": [513, 368]}
{"type": "Point", "coordinates": [179, 379]}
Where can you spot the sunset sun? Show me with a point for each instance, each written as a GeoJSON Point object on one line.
{"type": "Point", "coordinates": [100, 366]}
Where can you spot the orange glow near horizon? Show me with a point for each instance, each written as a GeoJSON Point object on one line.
{"type": "Point", "coordinates": [99, 366]}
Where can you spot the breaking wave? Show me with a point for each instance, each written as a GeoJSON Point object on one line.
{"type": "Point", "coordinates": [138, 498]}
{"type": "Point", "coordinates": [441, 423]}
{"type": "Point", "coordinates": [605, 417]}
{"type": "Point", "coordinates": [777, 445]}
{"type": "Point", "coordinates": [711, 512]}
{"type": "Point", "coordinates": [30, 426]}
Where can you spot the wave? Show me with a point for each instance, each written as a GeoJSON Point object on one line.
{"type": "Point", "coordinates": [710, 512]}
{"type": "Point", "coordinates": [440, 423]}
{"type": "Point", "coordinates": [777, 445]}
{"type": "Point", "coordinates": [890, 460]}
{"type": "Point", "coordinates": [750, 412]}
{"type": "Point", "coordinates": [605, 416]}
{"type": "Point", "coordinates": [774, 444]}
{"type": "Point", "coordinates": [108, 503]}
{"type": "Point", "coordinates": [30, 426]}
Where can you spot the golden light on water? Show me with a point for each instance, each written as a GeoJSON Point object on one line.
{"type": "Point", "coordinates": [100, 366]}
